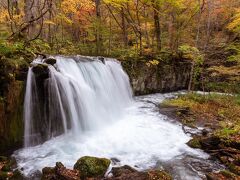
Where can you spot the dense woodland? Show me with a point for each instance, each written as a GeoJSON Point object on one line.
{"type": "Point", "coordinates": [111, 27]}
{"type": "Point", "coordinates": [204, 31]}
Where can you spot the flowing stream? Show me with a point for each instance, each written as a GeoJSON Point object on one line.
{"type": "Point", "coordinates": [85, 107]}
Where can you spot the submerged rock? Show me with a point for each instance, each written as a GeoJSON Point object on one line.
{"type": "Point", "coordinates": [92, 166]}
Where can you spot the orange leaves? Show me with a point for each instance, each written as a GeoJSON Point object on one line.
{"type": "Point", "coordinates": [77, 10]}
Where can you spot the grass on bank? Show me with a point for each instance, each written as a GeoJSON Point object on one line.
{"type": "Point", "coordinates": [221, 108]}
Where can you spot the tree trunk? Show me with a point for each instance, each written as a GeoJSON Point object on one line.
{"type": "Point", "coordinates": [157, 24]}
{"type": "Point", "coordinates": [124, 29]}
{"type": "Point", "coordinates": [98, 35]}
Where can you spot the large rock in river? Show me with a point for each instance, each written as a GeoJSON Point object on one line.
{"type": "Point", "coordinates": [92, 166]}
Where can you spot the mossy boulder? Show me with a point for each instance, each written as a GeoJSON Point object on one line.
{"type": "Point", "coordinates": [50, 61]}
{"type": "Point", "coordinates": [92, 166]}
{"type": "Point", "coordinates": [194, 143]}
{"type": "Point", "coordinates": [40, 69]}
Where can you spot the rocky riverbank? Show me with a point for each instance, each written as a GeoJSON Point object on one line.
{"type": "Point", "coordinates": [219, 119]}
{"type": "Point", "coordinates": [86, 168]}
{"type": "Point", "coordinates": [154, 76]}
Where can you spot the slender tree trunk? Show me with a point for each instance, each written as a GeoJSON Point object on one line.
{"type": "Point", "coordinates": [28, 5]}
{"type": "Point", "coordinates": [198, 24]}
{"type": "Point", "coordinates": [98, 35]}
{"type": "Point", "coordinates": [146, 28]}
{"type": "Point", "coordinates": [191, 76]}
{"type": "Point", "coordinates": [208, 31]}
{"type": "Point", "coordinates": [157, 24]}
{"type": "Point", "coordinates": [124, 29]}
{"type": "Point", "coordinates": [139, 29]}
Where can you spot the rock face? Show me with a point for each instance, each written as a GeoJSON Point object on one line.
{"type": "Point", "coordinates": [166, 76]}
{"type": "Point", "coordinates": [13, 74]}
{"type": "Point", "coordinates": [92, 166]}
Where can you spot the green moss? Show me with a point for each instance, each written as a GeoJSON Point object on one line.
{"type": "Point", "coordinates": [92, 166]}
{"type": "Point", "coordinates": [3, 175]}
{"type": "Point", "coordinates": [228, 174]}
{"type": "Point", "coordinates": [13, 132]}
{"type": "Point", "coordinates": [6, 168]}
{"type": "Point", "coordinates": [17, 175]}
{"type": "Point", "coordinates": [234, 168]}
{"type": "Point", "coordinates": [3, 158]}
{"type": "Point", "coordinates": [194, 143]}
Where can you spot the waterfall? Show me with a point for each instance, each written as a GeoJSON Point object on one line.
{"type": "Point", "coordinates": [74, 95]}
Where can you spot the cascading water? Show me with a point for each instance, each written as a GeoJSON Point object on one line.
{"type": "Point", "coordinates": [81, 106]}
{"type": "Point", "coordinates": [74, 95]}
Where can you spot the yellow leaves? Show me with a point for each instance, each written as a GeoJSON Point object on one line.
{"type": "Point", "coordinates": [116, 3]}
{"type": "Point", "coordinates": [62, 18]}
{"type": "Point", "coordinates": [76, 11]}
{"type": "Point", "coordinates": [152, 63]}
{"type": "Point", "coordinates": [73, 6]}
{"type": "Point", "coordinates": [49, 22]}
{"type": "Point", "coordinates": [3, 15]}
{"type": "Point", "coordinates": [235, 24]}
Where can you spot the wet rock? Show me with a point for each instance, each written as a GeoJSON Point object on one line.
{"type": "Point", "coordinates": [59, 172]}
{"type": "Point", "coordinates": [92, 166]}
{"type": "Point", "coordinates": [115, 161]}
{"type": "Point", "coordinates": [50, 61]}
{"type": "Point", "coordinates": [40, 69]}
{"type": "Point", "coordinates": [102, 59]}
{"type": "Point", "coordinates": [4, 175]}
{"type": "Point", "coordinates": [194, 143]}
{"type": "Point", "coordinates": [6, 168]}
{"type": "Point", "coordinates": [158, 174]}
{"type": "Point", "coordinates": [128, 173]}
{"type": "Point", "coordinates": [205, 132]}
{"type": "Point", "coordinates": [3, 158]}
{"type": "Point", "coordinates": [210, 143]}
{"type": "Point", "coordinates": [234, 168]}
{"type": "Point", "coordinates": [223, 175]}
{"type": "Point", "coordinates": [17, 175]}
{"type": "Point", "coordinates": [118, 171]}
{"type": "Point", "coordinates": [48, 173]}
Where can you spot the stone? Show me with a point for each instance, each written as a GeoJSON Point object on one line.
{"type": "Point", "coordinates": [48, 173]}
{"type": "Point", "coordinates": [158, 174]}
{"type": "Point", "coordinates": [50, 61]}
{"type": "Point", "coordinates": [129, 173]}
{"type": "Point", "coordinates": [194, 143]}
{"type": "Point", "coordinates": [92, 166]}
{"type": "Point", "coordinates": [59, 172]}
{"type": "Point", "coordinates": [210, 143]}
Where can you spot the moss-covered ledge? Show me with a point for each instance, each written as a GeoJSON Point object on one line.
{"type": "Point", "coordinates": [13, 74]}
